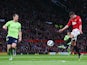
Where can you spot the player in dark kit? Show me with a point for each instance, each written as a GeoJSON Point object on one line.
{"type": "Point", "coordinates": [76, 23]}
{"type": "Point", "coordinates": [67, 44]}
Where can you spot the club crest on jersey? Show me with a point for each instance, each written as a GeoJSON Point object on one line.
{"type": "Point", "coordinates": [75, 19]}
{"type": "Point", "coordinates": [73, 23]}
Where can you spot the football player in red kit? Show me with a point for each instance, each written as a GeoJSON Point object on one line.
{"type": "Point", "coordinates": [76, 23]}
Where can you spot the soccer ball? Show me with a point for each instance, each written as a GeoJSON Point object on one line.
{"type": "Point", "coordinates": [50, 42]}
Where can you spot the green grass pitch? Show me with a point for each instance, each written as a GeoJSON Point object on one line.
{"type": "Point", "coordinates": [44, 60]}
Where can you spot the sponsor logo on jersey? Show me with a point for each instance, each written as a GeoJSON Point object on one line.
{"type": "Point", "coordinates": [73, 23]}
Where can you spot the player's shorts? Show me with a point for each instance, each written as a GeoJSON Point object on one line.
{"type": "Point", "coordinates": [11, 40]}
{"type": "Point", "coordinates": [75, 33]}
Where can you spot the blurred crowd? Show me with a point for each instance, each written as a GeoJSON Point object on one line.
{"type": "Point", "coordinates": [38, 24]}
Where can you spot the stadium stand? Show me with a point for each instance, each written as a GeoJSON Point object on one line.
{"type": "Point", "coordinates": [38, 19]}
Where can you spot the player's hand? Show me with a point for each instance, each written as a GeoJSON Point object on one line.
{"type": "Point", "coordinates": [20, 39]}
{"type": "Point", "coordinates": [81, 32]}
{"type": "Point", "coordinates": [60, 30]}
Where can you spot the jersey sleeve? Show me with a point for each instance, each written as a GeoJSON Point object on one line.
{"type": "Point", "coordinates": [69, 23]}
{"type": "Point", "coordinates": [79, 20]}
{"type": "Point", "coordinates": [7, 24]}
{"type": "Point", "coordinates": [66, 37]}
{"type": "Point", "coordinates": [20, 27]}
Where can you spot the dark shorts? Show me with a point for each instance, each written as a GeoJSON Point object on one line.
{"type": "Point", "coordinates": [11, 40]}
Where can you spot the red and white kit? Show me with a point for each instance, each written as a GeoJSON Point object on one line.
{"type": "Point", "coordinates": [75, 22]}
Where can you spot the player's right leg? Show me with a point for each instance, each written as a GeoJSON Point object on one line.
{"type": "Point", "coordinates": [14, 48]}
{"type": "Point", "coordinates": [9, 51]}
{"type": "Point", "coordinates": [9, 47]}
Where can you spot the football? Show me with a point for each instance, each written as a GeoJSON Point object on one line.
{"type": "Point", "coordinates": [50, 42]}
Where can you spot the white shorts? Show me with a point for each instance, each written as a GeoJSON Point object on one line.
{"type": "Point", "coordinates": [75, 33]}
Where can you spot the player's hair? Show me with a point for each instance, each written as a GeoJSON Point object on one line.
{"type": "Point", "coordinates": [15, 14]}
{"type": "Point", "coordinates": [71, 13]}
{"type": "Point", "coordinates": [68, 31]}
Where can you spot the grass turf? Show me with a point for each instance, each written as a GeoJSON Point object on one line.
{"type": "Point", "coordinates": [43, 60]}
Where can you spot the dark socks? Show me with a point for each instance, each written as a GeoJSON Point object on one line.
{"type": "Point", "coordinates": [14, 51]}
{"type": "Point", "coordinates": [69, 40]}
{"type": "Point", "coordinates": [10, 51]}
{"type": "Point", "coordinates": [77, 50]}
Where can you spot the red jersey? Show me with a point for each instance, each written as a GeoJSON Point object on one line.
{"type": "Point", "coordinates": [75, 22]}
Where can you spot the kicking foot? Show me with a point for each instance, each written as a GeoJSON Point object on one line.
{"type": "Point", "coordinates": [11, 58]}
{"type": "Point", "coordinates": [79, 56]}
{"type": "Point", "coordinates": [62, 46]}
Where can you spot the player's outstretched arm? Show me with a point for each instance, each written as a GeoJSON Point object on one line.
{"type": "Point", "coordinates": [80, 27]}
{"type": "Point", "coordinates": [6, 25]}
{"type": "Point", "coordinates": [61, 30]}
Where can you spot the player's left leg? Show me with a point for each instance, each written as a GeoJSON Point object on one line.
{"type": "Point", "coordinates": [74, 34]}
{"type": "Point", "coordinates": [74, 44]}
{"type": "Point", "coordinates": [14, 48]}
{"type": "Point", "coordinates": [14, 44]}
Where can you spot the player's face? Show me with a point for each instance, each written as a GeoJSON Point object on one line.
{"type": "Point", "coordinates": [16, 17]}
{"type": "Point", "coordinates": [71, 16]}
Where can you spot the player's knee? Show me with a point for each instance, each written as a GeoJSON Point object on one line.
{"type": "Point", "coordinates": [73, 43]}
{"type": "Point", "coordinates": [8, 46]}
{"type": "Point", "coordinates": [71, 36]}
{"type": "Point", "coordinates": [14, 45]}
